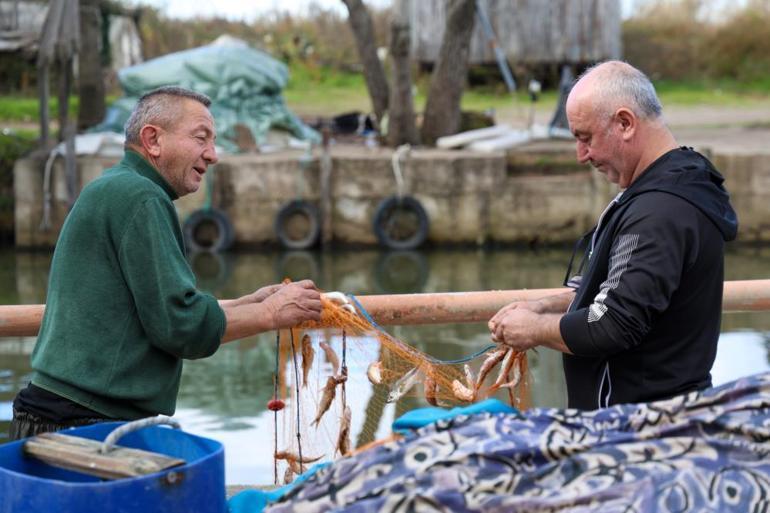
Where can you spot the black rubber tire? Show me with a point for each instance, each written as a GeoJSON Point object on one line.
{"type": "Point", "coordinates": [212, 270]}
{"type": "Point", "coordinates": [289, 233]}
{"type": "Point", "coordinates": [401, 272]}
{"type": "Point", "coordinates": [298, 265]}
{"type": "Point", "coordinates": [208, 230]}
{"type": "Point", "coordinates": [390, 229]}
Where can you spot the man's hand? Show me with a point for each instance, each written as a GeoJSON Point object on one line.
{"type": "Point", "coordinates": [293, 303]}
{"type": "Point", "coordinates": [265, 292]}
{"type": "Point", "coordinates": [533, 306]}
{"type": "Point", "coordinates": [516, 328]}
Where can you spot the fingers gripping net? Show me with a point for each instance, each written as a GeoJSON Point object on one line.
{"type": "Point", "coordinates": [322, 368]}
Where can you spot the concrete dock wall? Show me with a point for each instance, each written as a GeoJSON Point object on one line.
{"type": "Point", "coordinates": [534, 195]}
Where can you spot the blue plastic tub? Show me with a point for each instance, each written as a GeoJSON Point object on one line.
{"type": "Point", "coordinates": [31, 486]}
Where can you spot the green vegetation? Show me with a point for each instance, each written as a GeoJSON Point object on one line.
{"type": "Point", "coordinates": [709, 59]}
{"type": "Point", "coordinates": [27, 109]}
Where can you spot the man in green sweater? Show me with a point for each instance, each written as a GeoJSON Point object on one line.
{"type": "Point", "coordinates": [122, 309]}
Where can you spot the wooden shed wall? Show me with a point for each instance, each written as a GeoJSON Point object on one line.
{"type": "Point", "coordinates": [528, 31]}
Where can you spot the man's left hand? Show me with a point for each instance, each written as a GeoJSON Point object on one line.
{"type": "Point", "coordinates": [265, 292]}
{"type": "Point", "coordinates": [517, 328]}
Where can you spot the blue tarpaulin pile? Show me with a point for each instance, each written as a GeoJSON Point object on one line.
{"type": "Point", "coordinates": [707, 451]}
{"type": "Point", "coordinates": [244, 85]}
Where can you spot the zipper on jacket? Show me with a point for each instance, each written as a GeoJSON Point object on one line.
{"type": "Point", "coordinates": [605, 377]}
{"type": "Point", "coordinates": [599, 222]}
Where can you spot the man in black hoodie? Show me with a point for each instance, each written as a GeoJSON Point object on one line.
{"type": "Point", "coordinates": [643, 322]}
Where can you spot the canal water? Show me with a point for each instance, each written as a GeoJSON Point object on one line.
{"type": "Point", "coordinates": [224, 397]}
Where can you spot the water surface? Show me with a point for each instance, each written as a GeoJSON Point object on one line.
{"type": "Point", "coordinates": [224, 397]}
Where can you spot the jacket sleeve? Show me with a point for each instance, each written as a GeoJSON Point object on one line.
{"type": "Point", "coordinates": [176, 317]}
{"type": "Point", "coordinates": [651, 248]}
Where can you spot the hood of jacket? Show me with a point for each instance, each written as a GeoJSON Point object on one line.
{"type": "Point", "coordinates": [686, 173]}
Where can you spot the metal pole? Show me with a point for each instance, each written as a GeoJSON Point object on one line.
{"type": "Point", "coordinates": [432, 308]}
{"type": "Point", "coordinates": [489, 33]}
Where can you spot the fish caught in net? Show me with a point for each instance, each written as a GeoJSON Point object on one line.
{"type": "Point", "coordinates": [322, 367]}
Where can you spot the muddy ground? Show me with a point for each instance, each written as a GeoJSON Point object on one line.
{"type": "Point", "coordinates": [743, 129]}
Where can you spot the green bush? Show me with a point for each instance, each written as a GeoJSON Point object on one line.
{"type": "Point", "coordinates": [684, 40]}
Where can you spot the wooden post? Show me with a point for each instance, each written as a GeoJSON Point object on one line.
{"type": "Point", "coordinates": [43, 91]}
{"type": "Point", "coordinates": [401, 119]}
{"type": "Point", "coordinates": [67, 131]}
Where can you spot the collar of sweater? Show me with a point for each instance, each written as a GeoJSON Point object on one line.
{"type": "Point", "coordinates": [137, 162]}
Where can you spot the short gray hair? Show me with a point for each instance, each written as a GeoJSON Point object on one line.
{"type": "Point", "coordinates": [621, 84]}
{"type": "Point", "coordinates": [154, 108]}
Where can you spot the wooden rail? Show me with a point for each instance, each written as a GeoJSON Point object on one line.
{"type": "Point", "coordinates": [430, 308]}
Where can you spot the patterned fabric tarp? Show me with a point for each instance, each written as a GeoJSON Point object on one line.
{"type": "Point", "coordinates": [706, 451]}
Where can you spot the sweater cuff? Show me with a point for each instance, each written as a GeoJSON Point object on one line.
{"type": "Point", "coordinates": [573, 327]}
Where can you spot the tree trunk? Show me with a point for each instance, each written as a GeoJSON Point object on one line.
{"type": "Point", "coordinates": [90, 78]}
{"type": "Point", "coordinates": [401, 125]}
{"type": "Point", "coordinates": [442, 110]}
{"type": "Point", "coordinates": [363, 31]}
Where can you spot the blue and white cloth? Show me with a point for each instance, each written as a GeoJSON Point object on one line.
{"type": "Point", "coordinates": [706, 452]}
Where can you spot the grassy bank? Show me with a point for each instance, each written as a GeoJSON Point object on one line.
{"type": "Point", "coordinates": [325, 92]}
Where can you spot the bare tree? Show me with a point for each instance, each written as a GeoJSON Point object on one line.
{"type": "Point", "coordinates": [401, 123]}
{"type": "Point", "coordinates": [363, 30]}
{"type": "Point", "coordinates": [90, 78]}
{"type": "Point", "coordinates": [442, 110]}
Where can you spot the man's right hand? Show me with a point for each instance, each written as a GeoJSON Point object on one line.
{"type": "Point", "coordinates": [293, 304]}
{"type": "Point", "coordinates": [534, 306]}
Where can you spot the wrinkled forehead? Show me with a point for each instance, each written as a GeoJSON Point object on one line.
{"type": "Point", "coordinates": [193, 114]}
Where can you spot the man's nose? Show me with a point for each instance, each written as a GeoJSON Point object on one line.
{"type": "Point", "coordinates": [582, 152]}
{"type": "Point", "coordinates": [210, 155]}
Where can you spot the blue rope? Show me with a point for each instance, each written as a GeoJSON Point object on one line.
{"type": "Point", "coordinates": [368, 317]}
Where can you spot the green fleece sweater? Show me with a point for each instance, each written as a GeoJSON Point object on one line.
{"type": "Point", "coordinates": [122, 310]}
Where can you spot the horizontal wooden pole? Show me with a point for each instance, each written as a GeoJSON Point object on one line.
{"type": "Point", "coordinates": [429, 308]}
{"type": "Point", "coordinates": [458, 307]}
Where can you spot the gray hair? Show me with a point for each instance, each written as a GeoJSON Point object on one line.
{"type": "Point", "coordinates": [154, 108]}
{"type": "Point", "coordinates": [621, 84]}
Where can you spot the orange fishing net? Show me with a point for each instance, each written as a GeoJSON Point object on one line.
{"type": "Point", "coordinates": [319, 364]}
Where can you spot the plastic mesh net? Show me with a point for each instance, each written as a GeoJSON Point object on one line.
{"type": "Point", "coordinates": [318, 363]}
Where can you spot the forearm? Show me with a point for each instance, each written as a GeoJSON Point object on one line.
{"type": "Point", "coordinates": [548, 333]}
{"type": "Point", "coordinates": [245, 319]}
{"type": "Point", "coordinates": [224, 303]}
{"type": "Point", "coordinates": [557, 303]}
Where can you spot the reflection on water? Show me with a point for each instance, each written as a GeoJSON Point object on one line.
{"type": "Point", "coordinates": [224, 397]}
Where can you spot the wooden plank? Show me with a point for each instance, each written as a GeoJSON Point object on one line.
{"type": "Point", "coordinates": [463, 138]}
{"type": "Point", "coordinates": [430, 308]}
{"type": "Point", "coordinates": [553, 31]}
{"type": "Point", "coordinates": [82, 455]}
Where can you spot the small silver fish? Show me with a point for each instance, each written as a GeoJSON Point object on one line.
{"type": "Point", "coordinates": [403, 385]}
{"type": "Point", "coordinates": [491, 361]}
{"type": "Point", "coordinates": [290, 456]}
{"type": "Point", "coordinates": [470, 379]}
{"type": "Point", "coordinates": [462, 392]}
{"type": "Point", "coordinates": [431, 390]}
{"type": "Point", "coordinates": [308, 354]}
{"type": "Point", "coordinates": [331, 357]}
{"type": "Point", "coordinates": [516, 373]}
{"type": "Point", "coordinates": [329, 392]}
{"type": "Point", "coordinates": [343, 440]}
{"type": "Point", "coordinates": [288, 476]}
{"type": "Point", "coordinates": [505, 368]}
{"type": "Point", "coordinates": [374, 373]}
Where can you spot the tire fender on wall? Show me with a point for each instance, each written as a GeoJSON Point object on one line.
{"type": "Point", "coordinates": [295, 236]}
{"type": "Point", "coordinates": [208, 230]}
{"type": "Point", "coordinates": [393, 234]}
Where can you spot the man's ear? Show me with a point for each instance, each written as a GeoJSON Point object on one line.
{"type": "Point", "coordinates": [627, 121]}
{"type": "Point", "coordinates": [150, 137]}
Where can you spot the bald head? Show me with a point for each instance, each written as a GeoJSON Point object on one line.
{"type": "Point", "coordinates": [611, 85]}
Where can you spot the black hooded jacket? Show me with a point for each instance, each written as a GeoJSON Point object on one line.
{"type": "Point", "coordinates": [645, 320]}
